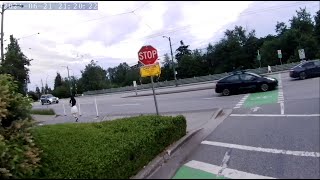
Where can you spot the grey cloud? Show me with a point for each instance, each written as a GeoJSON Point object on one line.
{"type": "Point", "coordinates": [263, 16]}
{"type": "Point", "coordinates": [111, 30]}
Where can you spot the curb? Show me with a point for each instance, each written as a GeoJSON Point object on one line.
{"type": "Point", "coordinates": [163, 157]}
{"type": "Point", "coordinates": [217, 113]}
{"type": "Point", "coordinates": [171, 92]}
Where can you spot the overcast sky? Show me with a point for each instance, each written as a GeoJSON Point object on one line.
{"type": "Point", "coordinates": [113, 34]}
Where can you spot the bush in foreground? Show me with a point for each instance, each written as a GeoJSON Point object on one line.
{"type": "Point", "coordinates": [19, 156]}
{"type": "Point", "coordinates": [112, 149]}
{"type": "Point", "coordinates": [43, 111]}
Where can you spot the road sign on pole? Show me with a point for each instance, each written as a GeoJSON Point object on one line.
{"type": "Point", "coordinates": [280, 56]}
{"type": "Point", "coordinates": [259, 58]}
{"type": "Point", "coordinates": [148, 55]}
{"type": "Point", "coordinates": [135, 87]}
{"type": "Point", "coordinates": [150, 70]}
{"type": "Point", "coordinates": [301, 54]}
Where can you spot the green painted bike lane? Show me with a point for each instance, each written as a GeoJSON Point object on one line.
{"type": "Point", "coordinates": [253, 100]}
{"type": "Point", "coordinates": [186, 172]}
{"type": "Point", "coordinates": [261, 98]}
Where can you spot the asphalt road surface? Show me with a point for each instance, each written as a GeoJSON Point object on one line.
{"type": "Point", "coordinates": [120, 104]}
{"type": "Point", "coordinates": [274, 134]}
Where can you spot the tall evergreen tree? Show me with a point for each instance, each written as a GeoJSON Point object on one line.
{"type": "Point", "coordinates": [16, 64]}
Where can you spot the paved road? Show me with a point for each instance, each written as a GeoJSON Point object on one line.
{"type": "Point", "coordinates": [268, 135]}
{"type": "Point", "coordinates": [117, 104]}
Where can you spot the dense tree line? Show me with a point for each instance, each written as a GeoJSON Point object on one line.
{"type": "Point", "coordinates": [237, 48]}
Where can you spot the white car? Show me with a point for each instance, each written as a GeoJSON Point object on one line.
{"type": "Point", "coordinates": [49, 99]}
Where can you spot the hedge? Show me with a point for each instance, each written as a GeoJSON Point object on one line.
{"type": "Point", "coordinates": [111, 149]}
{"type": "Point", "coordinates": [43, 111]}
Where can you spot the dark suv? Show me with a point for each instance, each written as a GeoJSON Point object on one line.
{"type": "Point", "coordinates": [306, 69]}
{"type": "Point", "coordinates": [48, 98]}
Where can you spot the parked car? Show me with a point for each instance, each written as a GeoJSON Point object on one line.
{"type": "Point", "coordinates": [306, 69]}
{"type": "Point", "coordinates": [242, 81]}
{"type": "Point", "coordinates": [48, 98]}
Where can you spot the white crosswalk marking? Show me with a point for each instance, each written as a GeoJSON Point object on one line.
{"type": "Point", "coordinates": [240, 103]}
{"type": "Point", "coordinates": [260, 149]}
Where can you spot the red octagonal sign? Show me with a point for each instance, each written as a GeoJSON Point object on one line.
{"type": "Point", "coordinates": [148, 55]}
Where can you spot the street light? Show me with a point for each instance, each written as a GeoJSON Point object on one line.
{"type": "Point", "coordinates": [3, 9]}
{"type": "Point", "coordinates": [46, 92]}
{"type": "Point", "coordinates": [173, 66]}
{"type": "Point", "coordinates": [69, 79]}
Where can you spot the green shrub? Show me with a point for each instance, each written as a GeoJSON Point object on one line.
{"type": "Point", "coordinates": [33, 95]}
{"type": "Point", "coordinates": [43, 111]}
{"type": "Point", "coordinates": [13, 105]}
{"type": "Point", "coordinates": [19, 156]}
{"type": "Point", "coordinates": [111, 149]}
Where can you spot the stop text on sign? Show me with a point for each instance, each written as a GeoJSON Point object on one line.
{"type": "Point", "coordinates": [147, 55]}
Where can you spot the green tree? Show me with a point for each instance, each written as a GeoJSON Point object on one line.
{"type": "Point", "coordinates": [317, 32]}
{"type": "Point", "coordinates": [38, 92]}
{"type": "Point", "coordinates": [93, 77]}
{"type": "Point", "coordinates": [182, 50]}
{"type": "Point", "coordinates": [57, 81]}
{"type": "Point", "coordinates": [166, 69]}
{"type": "Point", "coordinates": [16, 64]}
{"type": "Point", "coordinates": [281, 28]}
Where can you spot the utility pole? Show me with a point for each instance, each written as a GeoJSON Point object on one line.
{"type": "Point", "coordinates": [69, 80]}
{"type": "Point", "coordinates": [2, 15]}
{"type": "Point", "coordinates": [42, 89]}
{"type": "Point", "coordinates": [3, 8]}
{"type": "Point", "coordinates": [46, 91]}
{"type": "Point", "coordinates": [173, 66]}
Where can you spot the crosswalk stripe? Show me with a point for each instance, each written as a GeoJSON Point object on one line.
{"type": "Point", "coordinates": [260, 149]}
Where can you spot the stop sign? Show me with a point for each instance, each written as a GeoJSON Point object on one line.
{"type": "Point", "coordinates": [148, 55]}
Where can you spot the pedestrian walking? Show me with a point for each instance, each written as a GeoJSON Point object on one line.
{"type": "Point", "coordinates": [74, 109]}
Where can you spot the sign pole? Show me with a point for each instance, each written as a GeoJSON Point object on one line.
{"type": "Point", "coordinates": [280, 61]}
{"type": "Point", "coordinates": [259, 59]}
{"type": "Point", "coordinates": [135, 87]}
{"type": "Point", "coordinates": [154, 95]}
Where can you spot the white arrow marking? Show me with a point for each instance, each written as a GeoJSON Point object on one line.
{"type": "Point", "coordinates": [255, 109]}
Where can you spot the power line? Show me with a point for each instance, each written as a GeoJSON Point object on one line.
{"type": "Point", "coordinates": [99, 18]}
{"type": "Point", "coordinates": [243, 14]}
{"type": "Point", "coordinates": [190, 25]}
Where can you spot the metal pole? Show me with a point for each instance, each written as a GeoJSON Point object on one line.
{"type": "Point", "coordinates": [95, 102]}
{"type": "Point", "coordinates": [154, 96]}
{"type": "Point", "coordinates": [2, 16]}
{"type": "Point", "coordinates": [173, 66]}
{"type": "Point", "coordinates": [46, 91]}
{"type": "Point", "coordinates": [64, 110]}
{"type": "Point", "coordinates": [79, 107]}
{"type": "Point", "coordinates": [42, 89]}
{"type": "Point", "coordinates": [260, 64]}
{"type": "Point", "coordinates": [69, 81]}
